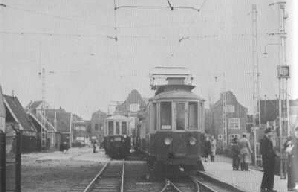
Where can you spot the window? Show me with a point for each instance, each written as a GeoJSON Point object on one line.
{"type": "Point", "coordinates": [193, 115]}
{"type": "Point", "coordinates": [110, 128]}
{"type": "Point", "coordinates": [124, 128]}
{"type": "Point", "coordinates": [154, 116]}
{"type": "Point", "coordinates": [166, 115]}
{"type": "Point", "coordinates": [180, 116]}
{"type": "Point", "coordinates": [234, 123]}
{"type": "Point", "coordinates": [117, 128]}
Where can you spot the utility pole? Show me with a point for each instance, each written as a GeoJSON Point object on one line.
{"type": "Point", "coordinates": [256, 75]}
{"type": "Point", "coordinates": [43, 111]}
{"type": "Point", "coordinates": [224, 111]}
{"type": "Point", "coordinates": [283, 74]}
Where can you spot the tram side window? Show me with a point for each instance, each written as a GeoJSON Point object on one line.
{"type": "Point", "coordinates": [117, 128]}
{"type": "Point", "coordinates": [124, 128]}
{"type": "Point", "coordinates": [111, 128]}
{"type": "Point", "coordinates": [193, 115]}
{"type": "Point", "coordinates": [166, 115]}
{"type": "Point", "coordinates": [180, 116]}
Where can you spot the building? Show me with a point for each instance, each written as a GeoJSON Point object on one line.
{"type": "Point", "coordinates": [17, 120]}
{"type": "Point", "coordinates": [97, 126]}
{"type": "Point", "coordinates": [58, 122]}
{"type": "Point", "coordinates": [80, 133]}
{"type": "Point", "coordinates": [269, 114]}
{"type": "Point", "coordinates": [130, 108]}
{"type": "Point", "coordinates": [236, 119]}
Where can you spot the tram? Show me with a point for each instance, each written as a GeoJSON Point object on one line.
{"type": "Point", "coordinates": [171, 130]}
{"type": "Point", "coordinates": [117, 136]}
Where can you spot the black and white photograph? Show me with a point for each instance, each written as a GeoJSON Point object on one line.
{"type": "Point", "coordinates": [148, 96]}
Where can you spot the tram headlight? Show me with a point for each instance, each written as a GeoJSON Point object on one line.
{"type": "Point", "coordinates": [168, 141]}
{"type": "Point", "coordinates": [192, 141]}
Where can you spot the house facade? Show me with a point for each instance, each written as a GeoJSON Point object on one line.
{"type": "Point", "coordinates": [235, 116]}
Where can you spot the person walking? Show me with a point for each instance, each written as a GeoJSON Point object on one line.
{"type": "Point", "coordinates": [245, 151]}
{"type": "Point", "coordinates": [213, 148]}
{"type": "Point", "coordinates": [268, 157]}
{"type": "Point", "coordinates": [235, 152]}
{"type": "Point", "coordinates": [207, 148]}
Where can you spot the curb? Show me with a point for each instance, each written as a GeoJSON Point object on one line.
{"type": "Point", "coordinates": [223, 184]}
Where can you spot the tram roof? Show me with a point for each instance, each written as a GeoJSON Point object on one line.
{"type": "Point", "coordinates": [118, 117]}
{"type": "Point", "coordinates": [177, 94]}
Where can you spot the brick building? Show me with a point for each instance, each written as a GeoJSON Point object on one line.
{"type": "Point", "coordinates": [236, 119]}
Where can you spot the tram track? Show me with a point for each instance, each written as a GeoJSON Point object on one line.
{"type": "Point", "coordinates": [113, 178]}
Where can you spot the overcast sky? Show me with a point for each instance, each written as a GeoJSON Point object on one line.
{"type": "Point", "coordinates": [75, 39]}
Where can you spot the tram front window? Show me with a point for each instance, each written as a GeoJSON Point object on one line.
{"type": "Point", "coordinates": [166, 115]}
{"type": "Point", "coordinates": [110, 128]}
{"type": "Point", "coordinates": [180, 116]}
{"type": "Point", "coordinates": [124, 128]}
{"type": "Point", "coordinates": [117, 128]}
{"type": "Point", "coordinates": [193, 115]}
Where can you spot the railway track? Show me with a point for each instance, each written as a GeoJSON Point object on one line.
{"type": "Point", "coordinates": [109, 179]}
{"type": "Point", "coordinates": [112, 176]}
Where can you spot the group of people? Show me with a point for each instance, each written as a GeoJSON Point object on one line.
{"type": "Point", "coordinates": [240, 151]}
{"type": "Point", "coordinates": [210, 148]}
{"type": "Point", "coordinates": [269, 155]}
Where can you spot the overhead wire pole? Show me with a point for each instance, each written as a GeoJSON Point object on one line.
{"type": "Point", "coordinates": [256, 76]}
{"type": "Point", "coordinates": [283, 74]}
{"type": "Point", "coordinates": [43, 131]}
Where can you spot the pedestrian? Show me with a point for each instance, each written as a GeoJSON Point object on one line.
{"type": "Point", "coordinates": [268, 158]}
{"type": "Point", "coordinates": [207, 148]}
{"type": "Point", "coordinates": [94, 147]}
{"type": "Point", "coordinates": [245, 151]}
{"type": "Point", "coordinates": [235, 152]}
{"type": "Point", "coordinates": [213, 148]}
{"type": "Point", "coordinates": [288, 147]}
{"type": "Point", "coordinates": [291, 147]}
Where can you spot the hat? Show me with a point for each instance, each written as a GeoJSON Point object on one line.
{"type": "Point", "coordinates": [268, 130]}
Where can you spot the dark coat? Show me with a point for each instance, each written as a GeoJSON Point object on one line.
{"type": "Point", "coordinates": [266, 149]}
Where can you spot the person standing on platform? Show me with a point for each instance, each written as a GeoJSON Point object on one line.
{"type": "Point", "coordinates": [245, 151]}
{"type": "Point", "coordinates": [268, 157]}
{"type": "Point", "coordinates": [213, 148]}
{"type": "Point", "coordinates": [207, 148]}
{"type": "Point", "coordinates": [291, 147]}
{"type": "Point", "coordinates": [235, 154]}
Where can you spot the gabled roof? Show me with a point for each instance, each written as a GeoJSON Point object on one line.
{"type": "Point", "coordinates": [34, 104]}
{"type": "Point", "coordinates": [38, 119]}
{"type": "Point", "coordinates": [134, 97]}
{"type": "Point", "coordinates": [18, 113]}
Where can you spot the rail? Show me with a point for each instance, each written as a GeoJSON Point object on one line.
{"type": "Point", "coordinates": [89, 187]}
{"type": "Point", "coordinates": [122, 178]}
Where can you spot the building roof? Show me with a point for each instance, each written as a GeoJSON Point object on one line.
{"type": "Point", "coordinates": [35, 104]}
{"type": "Point", "coordinates": [134, 97]}
{"type": "Point", "coordinates": [177, 94]}
{"type": "Point", "coordinates": [18, 113]}
{"type": "Point", "coordinates": [2, 107]}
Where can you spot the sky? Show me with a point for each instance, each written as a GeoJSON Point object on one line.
{"type": "Point", "coordinates": [86, 68]}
